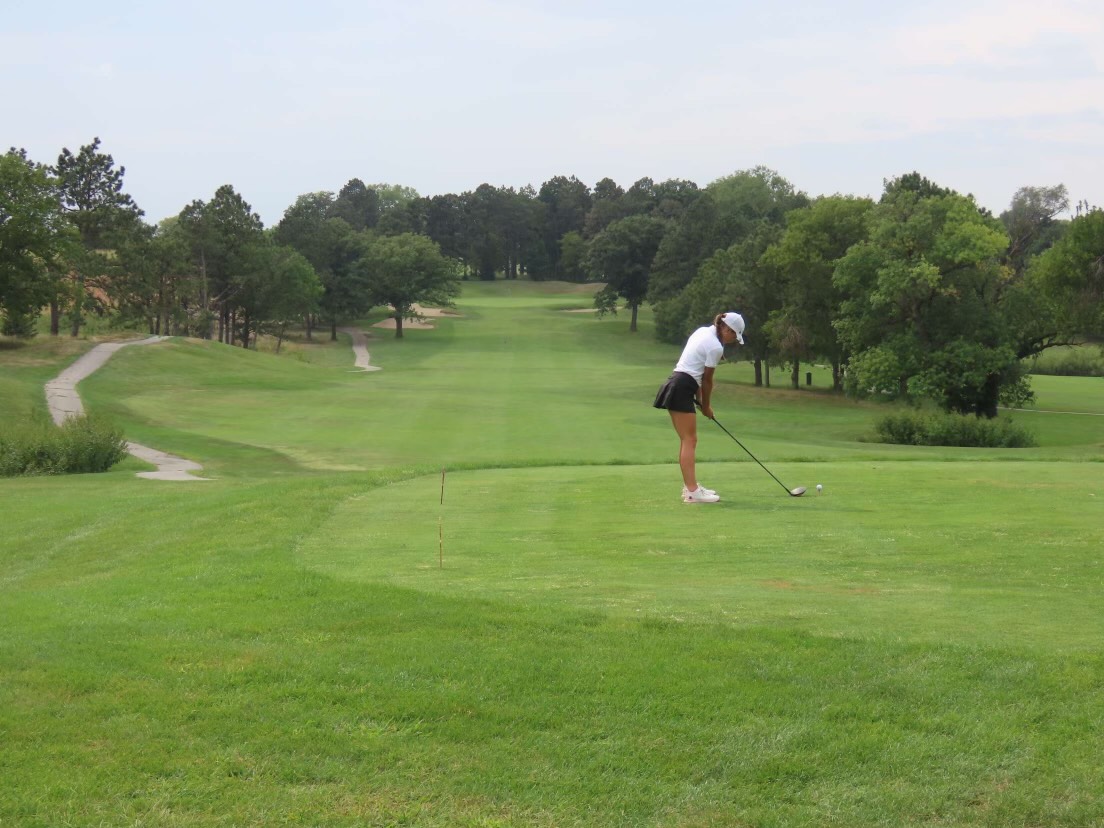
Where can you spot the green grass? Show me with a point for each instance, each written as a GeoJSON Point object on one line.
{"type": "Point", "coordinates": [835, 564]}
{"type": "Point", "coordinates": [919, 645]}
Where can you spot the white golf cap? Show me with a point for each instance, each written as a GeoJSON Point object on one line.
{"type": "Point", "coordinates": [736, 322]}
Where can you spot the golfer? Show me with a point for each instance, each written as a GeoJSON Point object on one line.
{"type": "Point", "coordinates": [693, 380]}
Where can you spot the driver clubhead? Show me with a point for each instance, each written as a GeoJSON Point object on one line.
{"type": "Point", "coordinates": [798, 492]}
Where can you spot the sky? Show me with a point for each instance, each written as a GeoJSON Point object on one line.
{"type": "Point", "coordinates": [281, 98]}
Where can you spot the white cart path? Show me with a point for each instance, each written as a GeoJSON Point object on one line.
{"type": "Point", "coordinates": [64, 402]}
{"type": "Point", "coordinates": [360, 349]}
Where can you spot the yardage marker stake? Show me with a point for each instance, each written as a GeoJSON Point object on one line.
{"type": "Point", "coordinates": [440, 525]}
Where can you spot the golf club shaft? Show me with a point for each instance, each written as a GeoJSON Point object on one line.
{"type": "Point", "coordinates": [752, 456]}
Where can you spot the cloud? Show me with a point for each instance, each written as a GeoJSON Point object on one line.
{"type": "Point", "coordinates": [896, 78]}
{"type": "Point", "coordinates": [1002, 34]}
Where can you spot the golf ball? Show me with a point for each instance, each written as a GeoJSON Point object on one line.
{"type": "Point", "coordinates": [819, 488]}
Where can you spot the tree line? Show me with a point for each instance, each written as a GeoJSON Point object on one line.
{"type": "Point", "coordinates": [920, 294]}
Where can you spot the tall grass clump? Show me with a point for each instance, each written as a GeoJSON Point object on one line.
{"type": "Point", "coordinates": [1069, 362]}
{"type": "Point", "coordinates": [80, 445]}
{"type": "Point", "coordinates": [21, 325]}
{"type": "Point", "coordinates": [913, 428]}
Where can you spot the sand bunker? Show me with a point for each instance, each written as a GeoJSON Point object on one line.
{"type": "Point", "coordinates": [408, 324]}
{"type": "Point", "coordinates": [417, 324]}
{"type": "Point", "coordinates": [434, 311]}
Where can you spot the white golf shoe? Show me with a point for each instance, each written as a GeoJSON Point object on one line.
{"type": "Point", "coordinates": [686, 491]}
{"type": "Point", "coordinates": [699, 495]}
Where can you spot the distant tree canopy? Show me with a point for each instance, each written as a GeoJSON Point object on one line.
{"type": "Point", "coordinates": [1069, 276]}
{"type": "Point", "coordinates": [920, 295]}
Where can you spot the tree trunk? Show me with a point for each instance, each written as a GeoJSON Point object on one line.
{"type": "Point", "coordinates": [837, 376]}
{"type": "Point", "coordinates": [203, 295]}
{"type": "Point", "coordinates": [632, 322]}
{"type": "Point", "coordinates": [990, 396]}
{"type": "Point", "coordinates": [766, 373]}
{"type": "Point", "coordinates": [78, 306]}
{"type": "Point", "coordinates": [333, 330]}
{"type": "Point", "coordinates": [398, 325]}
{"type": "Point", "coordinates": [795, 375]}
{"type": "Point", "coordinates": [310, 330]}
{"type": "Point", "coordinates": [758, 373]}
{"type": "Point", "coordinates": [55, 318]}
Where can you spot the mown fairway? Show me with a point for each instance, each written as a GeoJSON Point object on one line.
{"type": "Point", "coordinates": [314, 639]}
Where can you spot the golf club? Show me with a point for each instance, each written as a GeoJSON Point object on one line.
{"type": "Point", "coordinates": [798, 492]}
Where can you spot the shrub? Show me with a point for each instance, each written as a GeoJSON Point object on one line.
{"type": "Point", "coordinates": [22, 325]}
{"type": "Point", "coordinates": [913, 428]}
{"type": "Point", "coordinates": [80, 445]}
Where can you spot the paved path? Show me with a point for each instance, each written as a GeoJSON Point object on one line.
{"type": "Point", "coordinates": [64, 402]}
{"type": "Point", "coordinates": [360, 349]}
{"type": "Point", "coordinates": [1045, 411]}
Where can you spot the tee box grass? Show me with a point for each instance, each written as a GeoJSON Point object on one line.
{"type": "Point", "coordinates": [315, 638]}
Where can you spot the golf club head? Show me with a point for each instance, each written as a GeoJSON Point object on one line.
{"type": "Point", "coordinates": [798, 492]}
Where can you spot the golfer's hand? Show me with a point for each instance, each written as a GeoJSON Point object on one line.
{"type": "Point", "coordinates": [707, 410]}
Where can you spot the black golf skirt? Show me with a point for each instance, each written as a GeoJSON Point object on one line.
{"type": "Point", "coordinates": [678, 393]}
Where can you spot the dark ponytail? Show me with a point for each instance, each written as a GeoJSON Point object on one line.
{"type": "Point", "coordinates": [718, 320]}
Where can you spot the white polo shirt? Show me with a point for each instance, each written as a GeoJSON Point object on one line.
{"type": "Point", "coordinates": [703, 350]}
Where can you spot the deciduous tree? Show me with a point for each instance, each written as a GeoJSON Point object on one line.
{"type": "Point", "coordinates": [922, 315]}
{"type": "Point", "coordinates": [738, 278]}
{"type": "Point", "coordinates": [815, 239]}
{"type": "Point", "coordinates": [33, 233]}
{"type": "Point", "coordinates": [1032, 223]}
{"type": "Point", "coordinates": [728, 211]}
{"type": "Point", "coordinates": [621, 256]}
{"type": "Point", "coordinates": [405, 270]}
{"type": "Point", "coordinates": [1071, 275]}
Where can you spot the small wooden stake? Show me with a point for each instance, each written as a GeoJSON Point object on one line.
{"type": "Point", "coordinates": [440, 526]}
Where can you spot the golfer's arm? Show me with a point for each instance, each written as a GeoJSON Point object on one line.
{"type": "Point", "coordinates": [706, 389]}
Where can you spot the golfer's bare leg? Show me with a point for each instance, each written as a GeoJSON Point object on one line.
{"type": "Point", "coordinates": [686, 426]}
